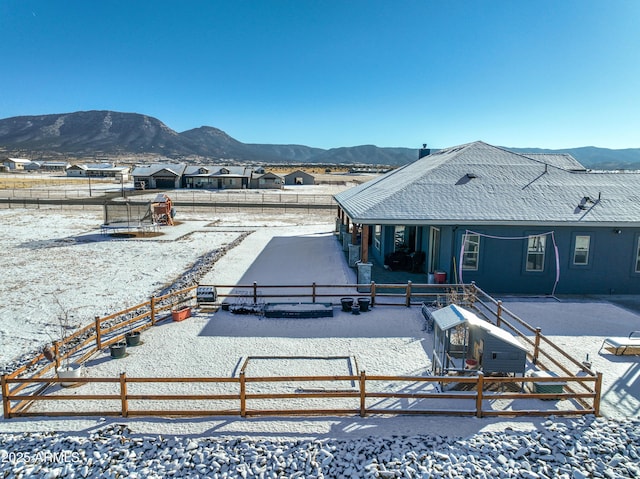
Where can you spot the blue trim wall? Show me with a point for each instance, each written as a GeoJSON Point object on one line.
{"type": "Point", "coordinates": [502, 262]}
{"type": "Point", "coordinates": [502, 269]}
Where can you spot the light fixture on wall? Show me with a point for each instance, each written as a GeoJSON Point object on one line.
{"type": "Point", "coordinates": [617, 231]}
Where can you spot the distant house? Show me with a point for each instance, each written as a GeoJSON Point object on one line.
{"type": "Point", "coordinates": [299, 177]}
{"type": "Point", "coordinates": [54, 166]}
{"type": "Point", "coordinates": [33, 166]}
{"type": "Point", "coordinates": [16, 164]}
{"type": "Point", "coordinates": [513, 223]}
{"type": "Point", "coordinates": [217, 177]}
{"type": "Point", "coordinates": [99, 170]}
{"type": "Point", "coordinates": [267, 181]}
{"type": "Point", "coordinates": [160, 176]}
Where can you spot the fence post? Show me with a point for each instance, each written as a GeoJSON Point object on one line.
{"type": "Point", "coordinates": [255, 293]}
{"type": "Point", "coordinates": [408, 295]}
{"type": "Point", "coordinates": [56, 351]}
{"type": "Point", "coordinates": [313, 292]}
{"type": "Point", "coordinates": [363, 403]}
{"type": "Point", "coordinates": [499, 313]}
{"type": "Point", "coordinates": [598, 390]}
{"type": "Point", "coordinates": [373, 293]}
{"type": "Point", "coordinates": [152, 317]}
{"type": "Point", "coordinates": [6, 406]}
{"type": "Point", "coordinates": [480, 388]}
{"type": "Point", "coordinates": [98, 334]}
{"type": "Point", "coordinates": [536, 348]}
{"type": "Point", "coordinates": [123, 394]}
{"type": "Point", "coordinates": [243, 395]}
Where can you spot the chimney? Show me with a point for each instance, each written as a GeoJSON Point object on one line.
{"type": "Point", "coordinates": [424, 151]}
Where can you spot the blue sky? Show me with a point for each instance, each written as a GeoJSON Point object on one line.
{"type": "Point", "coordinates": [543, 73]}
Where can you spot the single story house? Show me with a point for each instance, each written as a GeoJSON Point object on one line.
{"type": "Point", "coordinates": [54, 165]}
{"type": "Point", "coordinates": [267, 181]}
{"type": "Point", "coordinates": [510, 222]}
{"type": "Point", "coordinates": [299, 177]}
{"type": "Point", "coordinates": [102, 170]}
{"type": "Point", "coordinates": [162, 176]}
{"type": "Point", "coordinates": [217, 177]}
{"type": "Point", "coordinates": [16, 164]}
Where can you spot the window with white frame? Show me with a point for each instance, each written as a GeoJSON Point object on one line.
{"type": "Point", "coordinates": [471, 252]}
{"type": "Point", "coordinates": [377, 235]}
{"type": "Point", "coordinates": [581, 250]}
{"type": "Point", "coordinates": [535, 253]}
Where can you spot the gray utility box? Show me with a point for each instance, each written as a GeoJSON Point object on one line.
{"type": "Point", "coordinates": [206, 294]}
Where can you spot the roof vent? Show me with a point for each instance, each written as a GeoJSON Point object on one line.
{"type": "Point", "coordinates": [471, 176]}
{"type": "Point", "coordinates": [585, 202]}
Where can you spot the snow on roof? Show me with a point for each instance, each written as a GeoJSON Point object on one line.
{"type": "Point", "coordinates": [195, 170]}
{"type": "Point", "coordinates": [454, 315]}
{"type": "Point", "coordinates": [559, 160]}
{"type": "Point", "coordinates": [19, 160]}
{"type": "Point", "coordinates": [149, 170]}
{"type": "Point", "coordinates": [482, 184]}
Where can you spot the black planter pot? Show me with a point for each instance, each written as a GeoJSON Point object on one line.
{"type": "Point", "coordinates": [118, 350]}
{"type": "Point", "coordinates": [364, 304]}
{"type": "Point", "coordinates": [132, 338]}
{"type": "Point", "coordinates": [347, 304]}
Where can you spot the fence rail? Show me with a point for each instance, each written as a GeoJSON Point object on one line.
{"type": "Point", "coordinates": [241, 399]}
{"type": "Point", "coordinates": [27, 385]}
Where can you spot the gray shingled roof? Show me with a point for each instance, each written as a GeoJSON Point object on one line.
{"type": "Point", "coordinates": [234, 171]}
{"type": "Point", "coordinates": [148, 170]}
{"type": "Point", "coordinates": [559, 160]}
{"type": "Point", "coordinates": [482, 184]}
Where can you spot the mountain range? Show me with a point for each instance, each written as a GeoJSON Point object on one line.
{"type": "Point", "coordinates": [117, 134]}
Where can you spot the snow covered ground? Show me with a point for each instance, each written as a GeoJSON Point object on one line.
{"type": "Point", "coordinates": [48, 255]}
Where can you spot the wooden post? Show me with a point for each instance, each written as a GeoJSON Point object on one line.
{"type": "Point", "coordinates": [123, 395]}
{"type": "Point", "coordinates": [499, 313]}
{"type": "Point", "coordinates": [479, 395]}
{"type": "Point", "coordinates": [364, 248]}
{"type": "Point", "coordinates": [56, 351]}
{"type": "Point", "coordinates": [6, 406]}
{"type": "Point", "coordinates": [373, 293]}
{"type": "Point", "coordinates": [408, 294]}
{"type": "Point", "coordinates": [152, 316]}
{"type": "Point", "coordinates": [313, 292]}
{"type": "Point", "coordinates": [243, 395]}
{"type": "Point", "coordinates": [98, 334]}
{"type": "Point", "coordinates": [255, 293]}
{"type": "Point", "coordinates": [363, 394]}
{"type": "Point", "coordinates": [536, 348]}
{"type": "Point", "coordinates": [598, 391]}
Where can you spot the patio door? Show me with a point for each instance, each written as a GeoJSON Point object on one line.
{"type": "Point", "coordinates": [434, 249]}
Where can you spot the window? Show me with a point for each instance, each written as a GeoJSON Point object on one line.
{"type": "Point", "coordinates": [638, 257]}
{"type": "Point", "coordinates": [377, 235]}
{"type": "Point", "coordinates": [535, 253]}
{"type": "Point", "coordinates": [398, 238]}
{"type": "Point", "coordinates": [581, 250]}
{"type": "Point", "coordinates": [471, 252]}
